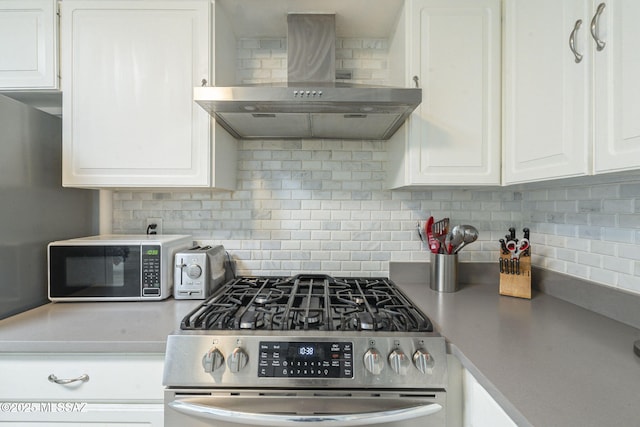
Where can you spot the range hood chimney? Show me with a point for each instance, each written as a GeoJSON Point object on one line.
{"type": "Point", "coordinates": [311, 104]}
{"type": "Point", "coordinates": [311, 50]}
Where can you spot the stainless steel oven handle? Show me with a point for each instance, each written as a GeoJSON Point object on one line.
{"type": "Point", "coordinates": [334, 420]}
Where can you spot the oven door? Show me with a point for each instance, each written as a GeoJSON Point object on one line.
{"type": "Point", "coordinates": [282, 408]}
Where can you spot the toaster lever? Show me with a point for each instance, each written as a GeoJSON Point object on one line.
{"type": "Point", "coordinates": [181, 266]}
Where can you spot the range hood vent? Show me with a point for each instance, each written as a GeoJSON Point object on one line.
{"type": "Point", "coordinates": [311, 104]}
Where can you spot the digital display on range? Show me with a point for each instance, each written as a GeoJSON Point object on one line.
{"type": "Point", "coordinates": [304, 351]}
{"type": "Point", "coordinates": [283, 359]}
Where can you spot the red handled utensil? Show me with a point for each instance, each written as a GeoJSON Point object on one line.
{"type": "Point", "coordinates": [434, 244]}
{"type": "Point", "coordinates": [516, 247]}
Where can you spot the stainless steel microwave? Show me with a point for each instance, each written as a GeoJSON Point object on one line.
{"type": "Point", "coordinates": [113, 267]}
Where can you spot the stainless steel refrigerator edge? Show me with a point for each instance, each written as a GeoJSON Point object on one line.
{"type": "Point", "coordinates": [34, 207]}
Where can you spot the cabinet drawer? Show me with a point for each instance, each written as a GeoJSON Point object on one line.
{"type": "Point", "coordinates": [111, 377]}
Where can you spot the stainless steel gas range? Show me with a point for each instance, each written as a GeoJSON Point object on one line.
{"type": "Point", "coordinates": [307, 349]}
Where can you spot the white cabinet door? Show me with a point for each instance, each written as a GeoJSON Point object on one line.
{"type": "Point", "coordinates": [547, 106]}
{"type": "Point", "coordinates": [28, 44]}
{"type": "Point", "coordinates": [122, 389]}
{"type": "Point", "coordinates": [129, 68]}
{"type": "Point", "coordinates": [617, 90]}
{"type": "Point", "coordinates": [454, 134]}
{"type": "Point", "coordinates": [480, 409]}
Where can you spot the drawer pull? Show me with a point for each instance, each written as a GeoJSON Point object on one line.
{"type": "Point", "coordinates": [84, 378]}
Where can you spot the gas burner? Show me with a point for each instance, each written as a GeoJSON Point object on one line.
{"type": "Point", "coordinates": [308, 302]}
{"type": "Point", "coordinates": [251, 319]}
{"type": "Point", "coordinates": [365, 321]}
{"type": "Point", "coordinates": [308, 317]}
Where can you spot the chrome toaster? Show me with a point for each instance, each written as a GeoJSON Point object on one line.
{"type": "Point", "coordinates": [199, 272]}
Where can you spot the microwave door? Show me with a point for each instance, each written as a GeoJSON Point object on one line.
{"type": "Point", "coordinates": [95, 271]}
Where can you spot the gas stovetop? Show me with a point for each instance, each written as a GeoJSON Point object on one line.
{"type": "Point", "coordinates": [308, 303]}
{"type": "Point", "coordinates": [307, 331]}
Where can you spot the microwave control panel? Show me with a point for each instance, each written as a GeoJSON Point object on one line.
{"type": "Point", "coordinates": [151, 270]}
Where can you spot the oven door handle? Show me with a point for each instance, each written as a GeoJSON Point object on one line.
{"type": "Point", "coordinates": [198, 407]}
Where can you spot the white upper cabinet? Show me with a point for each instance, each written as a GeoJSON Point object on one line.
{"type": "Point", "coordinates": [569, 108]}
{"type": "Point", "coordinates": [453, 137]}
{"type": "Point", "coordinates": [28, 44]}
{"type": "Point", "coordinates": [617, 87]}
{"type": "Point", "coordinates": [546, 94]}
{"type": "Point", "coordinates": [129, 119]}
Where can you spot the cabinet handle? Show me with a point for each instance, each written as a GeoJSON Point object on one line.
{"type": "Point", "coordinates": [84, 378]}
{"type": "Point", "coordinates": [572, 41]}
{"type": "Point", "coordinates": [600, 44]}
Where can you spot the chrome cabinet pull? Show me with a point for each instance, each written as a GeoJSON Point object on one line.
{"type": "Point", "coordinates": [572, 41]}
{"type": "Point", "coordinates": [600, 44]}
{"type": "Point", "coordinates": [84, 378]}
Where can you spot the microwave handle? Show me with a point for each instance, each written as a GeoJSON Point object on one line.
{"type": "Point", "coordinates": [382, 416]}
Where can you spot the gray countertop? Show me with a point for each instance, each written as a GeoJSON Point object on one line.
{"type": "Point", "coordinates": [546, 361]}
{"type": "Point", "coordinates": [91, 327]}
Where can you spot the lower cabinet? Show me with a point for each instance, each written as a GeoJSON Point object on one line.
{"type": "Point", "coordinates": [81, 389]}
{"type": "Point", "coordinates": [480, 409]}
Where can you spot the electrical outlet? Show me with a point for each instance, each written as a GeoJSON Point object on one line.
{"type": "Point", "coordinates": [153, 226]}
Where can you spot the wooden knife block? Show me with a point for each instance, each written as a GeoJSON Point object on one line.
{"type": "Point", "coordinates": [517, 285]}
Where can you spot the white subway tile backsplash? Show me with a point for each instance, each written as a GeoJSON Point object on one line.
{"type": "Point", "coordinates": [322, 205]}
{"type": "Point", "coordinates": [631, 190]}
{"type": "Point", "coordinates": [620, 235]}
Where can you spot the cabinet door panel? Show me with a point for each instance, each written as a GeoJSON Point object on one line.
{"type": "Point", "coordinates": [28, 44]}
{"type": "Point", "coordinates": [455, 132]}
{"type": "Point", "coordinates": [617, 96]}
{"type": "Point", "coordinates": [480, 409]}
{"type": "Point", "coordinates": [111, 377]}
{"type": "Point", "coordinates": [547, 113]}
{"type": "Point", "coordinates": [130, 119]}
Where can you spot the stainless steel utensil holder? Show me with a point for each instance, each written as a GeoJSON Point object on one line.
{"type": "Point", "coordinates": [444, 272]}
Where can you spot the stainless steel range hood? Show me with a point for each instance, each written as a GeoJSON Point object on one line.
{"type": "Point", "coordinates": [311, 104]}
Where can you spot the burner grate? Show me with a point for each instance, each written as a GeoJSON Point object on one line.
{"type": "Point", "coordinates": [308, 302]}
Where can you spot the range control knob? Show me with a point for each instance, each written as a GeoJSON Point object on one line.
{"type": "Point", "coordinates": [212, 360]}
{"type": "Point", "coordinates": [237, 360]}
{"type": "Point", "coordinates": [194, 271]}
{"type": "Point", "coordinates": [399, 362]}
{"type": "Point", "coordinates": [423, 361]}
{"type": "Point", "coordinates": [373, 361]}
